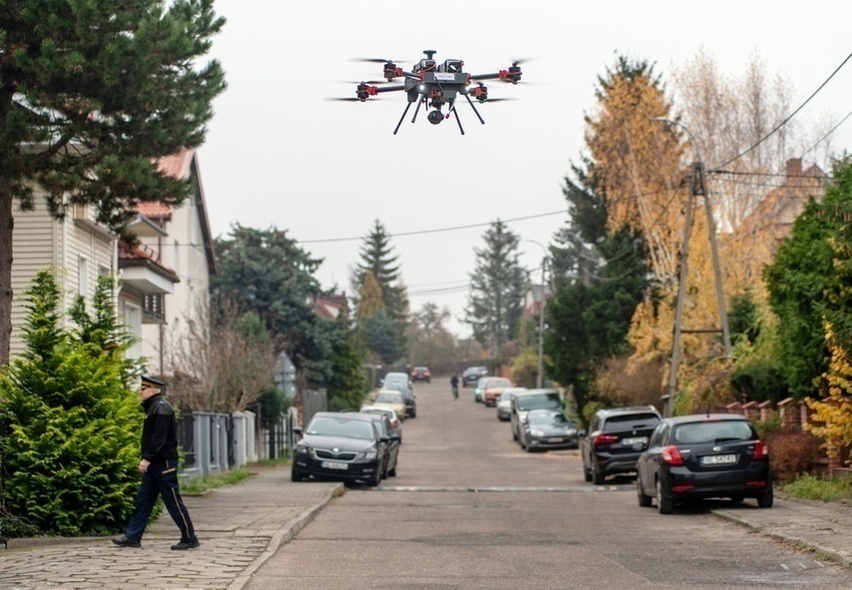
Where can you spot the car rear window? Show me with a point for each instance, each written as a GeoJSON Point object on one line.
{"type": "Point", "coordinates": [630, 422]}
{"type": "Point", "coordinates": [498, 383]}
{"type": "Point", "coordinates": [711, 432]}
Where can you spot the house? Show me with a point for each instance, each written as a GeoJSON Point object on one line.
{"type": "Point", "coordinates": [180, 239]}
{"type": "Point", "coordinates": [81, 250]}
{"type": "Point", "coordinates": [762, 231]}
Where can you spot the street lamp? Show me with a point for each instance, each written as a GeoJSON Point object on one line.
{"type": "Point", "coordinates": [538, 377]}
{"type": "Point", "coordinates": [698, 187]}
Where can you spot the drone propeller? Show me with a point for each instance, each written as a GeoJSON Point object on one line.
{"type": "Point", "coordinates": [521, 61]}
{"type": "Point", "coordinates": [376, 60]}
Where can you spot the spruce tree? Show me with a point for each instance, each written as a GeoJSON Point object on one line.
{"type": "Point", "coordinates": [71, 424]}
{"type": "Point", "coordinates": [497, 284]}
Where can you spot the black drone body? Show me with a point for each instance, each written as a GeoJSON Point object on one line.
{"type": "Point", "coordinates": [434, 86]}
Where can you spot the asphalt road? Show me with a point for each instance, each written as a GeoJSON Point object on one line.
{"type": "Point", "coordinates": [469, 509]}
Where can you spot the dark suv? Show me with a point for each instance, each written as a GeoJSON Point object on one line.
{"type": "Point", "coordinates": [615, 439]}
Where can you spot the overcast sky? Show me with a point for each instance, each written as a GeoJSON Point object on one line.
{"type": "Point", "coordinates": [278, 154]}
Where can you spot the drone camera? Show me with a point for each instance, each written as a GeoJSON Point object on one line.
{"type": "Point", "coordinates": [435, 117]}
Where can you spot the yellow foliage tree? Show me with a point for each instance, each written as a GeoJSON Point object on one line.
{"type": "Point", "coordinates": [833, 413]}
{"type": "Point", "coordinates": [369, 298]}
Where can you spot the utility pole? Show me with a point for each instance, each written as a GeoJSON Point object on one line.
{"type": "Point", "coordinates": [539, 377]}
{"type": "Point", "coordinates": [697, 187]}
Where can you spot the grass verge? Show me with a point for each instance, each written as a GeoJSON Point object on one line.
{"type": "Point", "coordinates": [199, 485]}
{"type": "Point", "coordinates": [810, 487]}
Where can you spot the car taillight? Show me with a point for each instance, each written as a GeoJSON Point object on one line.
{"type": "Point", "coordinates": [761, 451]}
{"type": "Point", "coordinates": [425, 373]}
{"type": "Point", "coordinates": [671, 456]}
{"type": "Point", "coordinates": [604, 439]}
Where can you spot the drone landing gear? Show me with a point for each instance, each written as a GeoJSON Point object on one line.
{"type": "Point", "coordinates": [408, 106]}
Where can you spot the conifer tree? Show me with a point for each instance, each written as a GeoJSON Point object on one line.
{"type": "Point", "coordinates": [72, 425]}
{"type": "Point", "coordinates": [91, 94]}
{"type": "Point", "coordinates": [496, 290]}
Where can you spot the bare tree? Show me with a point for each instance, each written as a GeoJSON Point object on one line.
{"type": "Point", "coordinates": [223, 362]}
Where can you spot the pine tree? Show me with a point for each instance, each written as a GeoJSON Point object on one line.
{"type": "Point", "coordinates": [91, 94]}
{"type": "Point", "coordinates": [72, 425]}
{"type": "Point", "coordinates": [377, 258]}
{"type": "Point", "coordinates": [495, 303]}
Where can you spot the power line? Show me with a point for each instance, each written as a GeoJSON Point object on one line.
{"type": "Point", "coordinates": [435, 230]}
{"type": "Point", "coordinates": [787, 120]}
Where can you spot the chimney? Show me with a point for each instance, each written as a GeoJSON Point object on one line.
{"type": "Point", "coordinates": [794, 168]}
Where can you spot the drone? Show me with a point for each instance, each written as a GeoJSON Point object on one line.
{"type": "Point", "coordinates": [434, 86]}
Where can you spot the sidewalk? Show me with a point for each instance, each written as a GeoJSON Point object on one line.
{"type": "Point", "coordinates": [242, 526]}
{"type": "Point", "coordinates": [822, 527]}
{"type": "Point", "coordinates": [239, 527]}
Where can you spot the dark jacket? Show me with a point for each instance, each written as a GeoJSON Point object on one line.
{"type": "Point", "coordinates": [159, 432]}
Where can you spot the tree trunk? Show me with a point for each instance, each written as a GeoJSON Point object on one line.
{"type": "Point", "coordinates": [7, 224]}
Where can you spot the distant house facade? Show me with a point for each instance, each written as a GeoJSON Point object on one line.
{"type": "Point", "coordinates": [179, 238]}
{"type": "Point", "coordinates": [762, 231]}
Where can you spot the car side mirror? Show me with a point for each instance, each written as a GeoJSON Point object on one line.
{"type": "Point", "coordinates": [385, 439]}
{"type": "Point", "coordinates": [581, 432]}
{"type": "Point", "coordinates": [297, 430]}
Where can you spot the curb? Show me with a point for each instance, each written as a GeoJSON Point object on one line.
{"type": "Point", "coordinates": [284, 535]}
{"type": "Point", "coordinates": [829, 552]}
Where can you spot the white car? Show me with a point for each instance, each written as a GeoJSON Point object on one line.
{"type": "Point", "coordinates": [390, 413]}
{"type": "Point", "coordinates": [504, 403]}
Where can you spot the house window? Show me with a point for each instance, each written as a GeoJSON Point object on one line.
{"type": "Point", "coordinates": [83, 277]}
{"type": "Point", "coordinates": [133, 325]}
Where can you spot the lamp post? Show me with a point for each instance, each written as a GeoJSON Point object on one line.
{"type": "Point", "coordinates": [698, 187]}
{"type": "Point", "coordinates": [538, 377]}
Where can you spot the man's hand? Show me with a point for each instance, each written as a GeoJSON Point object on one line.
{"type": "Point", "coordinates": [143, 465]}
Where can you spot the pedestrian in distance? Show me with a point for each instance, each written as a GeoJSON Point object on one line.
{"type": "Point", "coordinates": [158, 466]}
{"type": "Point", "coordinates": [454, 382]}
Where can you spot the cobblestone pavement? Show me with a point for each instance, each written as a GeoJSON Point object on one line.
{"type": "Point", "coordinates": [239, 528]}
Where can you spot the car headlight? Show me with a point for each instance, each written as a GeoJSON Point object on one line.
{"type": "Point", "coordinates": [536, 432]}
{"type": "Point", "coordinates": [301, 449]}
{"type": "Point", "coordinates": [572, 432]}
{"type": "Point", "coordinates": [368, 455]}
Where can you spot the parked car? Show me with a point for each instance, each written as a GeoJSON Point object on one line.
{"type": "Point", "coordinates": [532, 399]}
{"type": "Point", "coordinates": [492, 388]}
{"type": "Point", "coordinates": [472, 374]}
{"type": "Point", "coordinates": [504, 404]}
{"type": "Point", "coordinates": [547, 429]}
{"type": "Point", "coordinates": [392, 399]}
{"type": "Point", "coordinates": [400, 382]}
{"type": "Point", "coordinates": [704, 456]}
{"type": "Point", "coordinates": [479, 388]}
{"type": "Point", "coordinates": [341, 446]}
{"type": "Point", "coordinates": [397, 378]}
{"type": "Point", "coordinates": [615, 439]}
{"type": "Point", "coordinates": [396, 423]}
{"type": "Point", "coordinates": [391, 448]}
{"type": "Point", "coordinates": [421, 374]}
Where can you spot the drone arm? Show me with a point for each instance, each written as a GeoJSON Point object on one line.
{"type": "Point", "coordinates": [512, 75]}
{"type": "Point", "coordinates": [381, 89]}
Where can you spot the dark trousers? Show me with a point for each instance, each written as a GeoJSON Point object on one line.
{"type": "Point", "coordinates": [161, 478]}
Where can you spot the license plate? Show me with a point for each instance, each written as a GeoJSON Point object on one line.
{"type": "Point", "coordinates": [335, 465]}
{"type": "Point", "coordinates": [639, 440]}
{"type": "Point", "coordinates": [554, 440]}
{"type": "Point", "coordinates": [719, 460]}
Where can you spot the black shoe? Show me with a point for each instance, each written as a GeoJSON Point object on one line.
{"type": "Point", "coordinates": [125, 542]}
{"type": "Point", "coordinates": [184, 545]}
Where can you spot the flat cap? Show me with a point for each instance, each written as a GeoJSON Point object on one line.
{"type": "Point", "coordinates": [147, 380]}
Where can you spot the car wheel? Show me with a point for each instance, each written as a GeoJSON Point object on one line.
{"type": "Point", "coordinates": [664, 505]}
{"type": "Point", "coordinates": [392, 472]}
{"type": "Point", "coordinates": [385, 472]}
{"type": "Point", "coordinates": [296, 475]}
{"type": "Point", "coordinates": [765, 500]}
{"type": "Point", "coordinates": [644, 500]}
{"type": "Point", "coordinates": [597, 476]}
{"type": "Point", "coordinates": [587, 475]}
{"type": "Point", "coordinates": [375, 478]}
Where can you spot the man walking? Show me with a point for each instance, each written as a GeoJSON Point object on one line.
{"type": "Point", "coordinates": [158, 467]}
